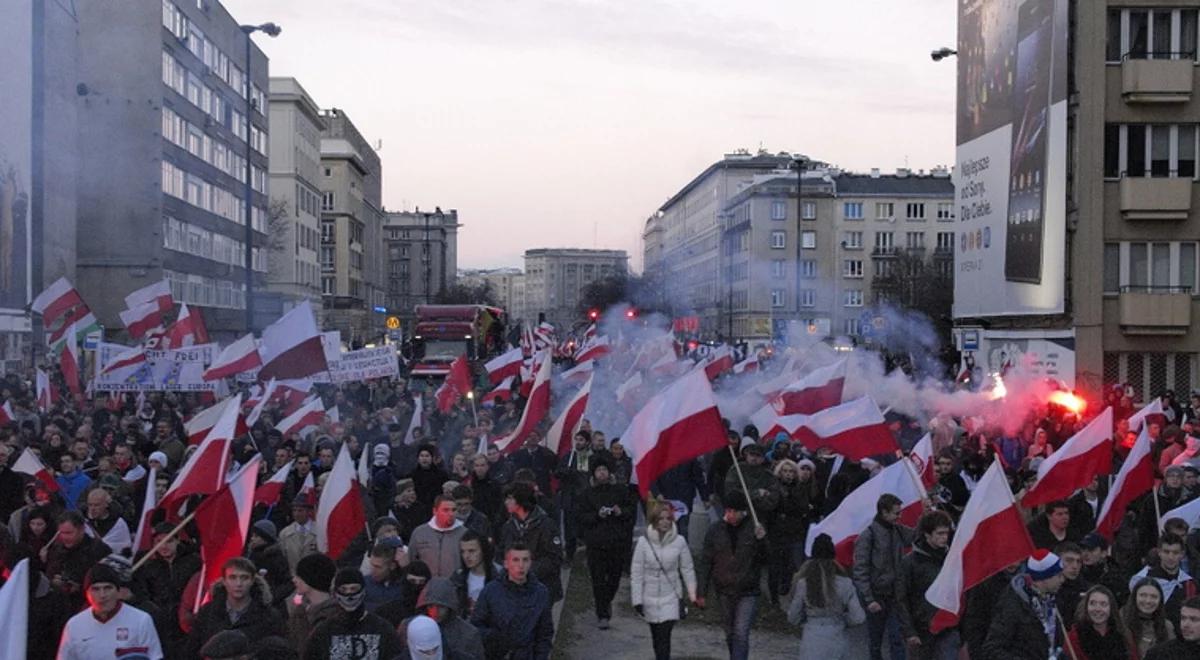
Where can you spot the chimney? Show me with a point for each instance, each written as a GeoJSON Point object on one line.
{"type": "Point", "coordinates": [874, 172]}
{"type": "Point", "coordinates": [901, 172]}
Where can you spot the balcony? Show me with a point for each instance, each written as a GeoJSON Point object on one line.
{"type": "Point", "coordinates": [883, 251]}
{"type": "Point", "coordinates": [1148, 310]}
{"type": "Point", "coordinates": [943, 252]}
{"type": "Point", "coordinates": [1156, 198]}
{"type": "Point", "coordinates": [1157, 81]}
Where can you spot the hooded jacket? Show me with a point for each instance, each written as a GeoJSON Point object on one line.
{"type": "Point", "coordinates": [438, 546]}
{"type": "Point", "coordinates": [918, 570]}
{"type": "Point", "coordinates": [877, 553]}
{"type": "Point", "coordinates": [357, 635]}
{"type": "Point", "coordinates": [515, 620]}
{"type": "Point", "coordinates": [460, 640]}
{"type": "Point", "coordinates": [259, 620]}
{"type": "Point", "coordinates": [73, 487]}
{"type": "Point", "coordinates": [731, 570]}
{"type": "Point", "coordinates": [540, 533]}
{"type": "Point", "coordinates": [1016, 632]}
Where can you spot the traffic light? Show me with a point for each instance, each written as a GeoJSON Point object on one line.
{"type": "Point", "coordinates": [593, 314]}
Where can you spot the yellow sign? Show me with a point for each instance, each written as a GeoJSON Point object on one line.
{"type": "Point", "coordinates": [393, 323]}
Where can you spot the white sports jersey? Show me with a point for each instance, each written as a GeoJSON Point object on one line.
{"type": "Point", "coordinates": [128, 635]}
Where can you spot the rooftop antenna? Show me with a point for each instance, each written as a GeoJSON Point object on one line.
{"type": "Point", "coordinates": [378, 145]}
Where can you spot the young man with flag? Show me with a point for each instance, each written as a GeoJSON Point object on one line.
{"type": "Point", "coordinates": [877, 555]}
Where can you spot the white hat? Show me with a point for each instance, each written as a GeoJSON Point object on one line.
{"type": "Point", "coordinates": [160, 457]}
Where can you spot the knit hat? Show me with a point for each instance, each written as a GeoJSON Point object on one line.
{"type": "Point", "coordinates": [424, 638]}
{"type": "Point", "coordinates": [736, 500]}
{"type": "Point", "coordinates": [101, 574]}
{"type": "Point", "coordinates": [345, 577]}
{"type": "Point", "coordinates": [317, 571]}
{"type": "Point", "coordinates": [381, 455]}
{"type": "Point", "coordinates": [804, 461]}
{"type": "Point", "coordinates": [599, 463]}
{"type": "Point", "coordinates": [160, 457]}
{"type": "Point", "coordinates": [380, 522]}
{"type": "Point", "coordinates": [752, 448]}
{"type": "Point", "coordinates": [163, 528]}
{"type": "Point", "coordinates": [226, 644]}
{"type": "Point", "coordinates": [1043, 565]}
{"type": "Point", "coordinates": [822, 547]}
{"type": "Point", "coordinates": [122, 567]}
{"type": "Point", "coordinates": [403, 485]}
{"type": "Point", "coordinates": [266, 529]}
{"type": "Point", "coordinates": [1094, 541]}
{"type": "Point", "coordinates": [747, 441]}
{"type": "Point", "coordinates": [1173, 471]}
{"type": "Point", "coordinates": [301, 500]}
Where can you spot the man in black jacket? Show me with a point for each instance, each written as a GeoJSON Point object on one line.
{"type": "Point", "coordinates": [605, 513]}
{"type": "Point", "coordinates": [353, 632]}
{"type": "Point", "coordinates": [1025, 625]}
{"type": "Point", "coordinates": [241, 601]}
{"type": "Point", "coordinates": [735, 552]}
{"type": "Point", "coordinates": [1187, 645]}
{"type": "Point", "coordinates": [877, 553]}
{"type": "Point", "coordinates": [163, 578]}
{"type": "Point", "coordinates": [529, 525]}
{"type": "Point", "coordinates": [917, 571]}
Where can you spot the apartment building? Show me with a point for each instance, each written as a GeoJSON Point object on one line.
{"type": "Point", "coordinates": [555, 279]}
{"type": "Point", "coordinates": [422, 257]}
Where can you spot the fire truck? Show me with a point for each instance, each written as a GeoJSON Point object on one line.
{"type": "Point", "coordinates": [444, 332]}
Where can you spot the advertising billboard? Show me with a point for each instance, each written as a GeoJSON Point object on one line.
{"type": "Point", "coordinates": [16, 154]}
{"type": "Point", "coordinates": [1011, 158]}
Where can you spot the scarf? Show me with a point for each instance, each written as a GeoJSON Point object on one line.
{"type": "Point", "coordinates": [1043, 608]}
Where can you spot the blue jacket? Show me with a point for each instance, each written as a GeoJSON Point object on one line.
{"type": "Point", "coordinates": [382, 593]}
{"type": "Point", "coordinates": [515, 619]}
{"type": "Point", "coordinates": [73, 486]}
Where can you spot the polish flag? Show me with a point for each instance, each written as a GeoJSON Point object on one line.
{"type": "Point", "coordinates": [504, 366]}
{"type": "Point", "coordinates": [29, 463]}
{"type": "Point", "coordinates": [126, 362]}
{"type": "Point", "coordinates": [719, 362]}
{"type": "Point", "coordinates": [70, 364]}
{"type": "Point", "coordinates": [536, 409]}
{"type": "Point", "coordinates": [204, 472]}
{"type": "Point", "coordinates": [158, 293]}
{"type": "Point", "coordinates": [6, 414]}
{"type": "Point", "coordinates": [769, 423]}
{"type": "Point", "coordinates": [676, 425]}
{"type": "Point", "coordinates": [223, 520]}
{"type": "Point", "coordinates": [747, 366]}
{"type": "Point", "coordinates": [14, 611]}
{"type": "Point", "coordinates": [142, 319]}
{"type": "Point", "coordinates": [1189, 512]}
{"type": "Point", "coordinates": [772, 388]}
{"type": "Point", "coordinates": [579, 373]}
{"type": "Point", "coordinates": [1088, 453]}
{"type": "Point", "coordinates": [201, 424]}
{"type": "Point", "coordinates": [1152, 412]}
{"type": "Point", "coordinates": [264, 397]}
{"type": "Point", "coordinates": [268, 493]}
{"type": "Point", "coordinates": [855, 430]}
{"type": "Point", "coordinates": [187, 330]}
{"type": "Point", "coordinates": [456, 385]}
{"type": "Point", "coordinates": [308, 490]}
{"type": "Point", "coordinates": [559, 437]}
{"type": "Point", "coordinates": [46, 395]}
{"type": "Point", "coordinates": [502, 392]}
{"type": "Point", "coordinates": [311, 413]}
{"type": "Point", "coordinates": [241, 355]}
{"type": "Point", "coordinates": [55, 300]}
{"type": "Point", "coordinates": [340, 512]}
{"type": "Point", "coordinates": [856, 512]}
{"type": "Point", "coordinates": [820, 389]}
{"type": "Point", "coordinates": [921, 457]}
{"type": "Point", "coordinates": [990, 536]}
{"type": "Point", "coordinates": [1135, 478]}
{"type": "Point", "coordinates": [143, 538]}
{"type": "Point", "coordinates": [593, 350]}
{"type": "Point", "coordinates": [415, 421]}
{"type": "Point", "coordinates": [629, 393]}
{"type": "Point", "coordinates": [291, 346]}
{"type": "Point", "coordinates": [291, 394]}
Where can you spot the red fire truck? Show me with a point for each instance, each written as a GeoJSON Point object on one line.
{"type": "Point", "coordinates": [444, 332]}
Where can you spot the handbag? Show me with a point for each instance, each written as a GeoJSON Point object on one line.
{"type": "Point", "coordinates": [683, 604]}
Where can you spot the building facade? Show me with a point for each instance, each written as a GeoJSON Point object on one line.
{"type": "Point", "coordinates": [422, 257]}
{"type": "Point", "coordinates": [351, 232]}
{"type": "Point", "coordinates": [295, 175]}
{"type": "Point", "coordinates": [164, 120]}
{"type": "Point", "coordinates": [555, 279]}
{"type": "Point", "coordinates": [507, 284]}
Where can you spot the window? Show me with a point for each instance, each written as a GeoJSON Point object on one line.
{"type": "Point", "coordinates": [852, 268]}
{"type": "Point", "coordinates": [777, 297]}
{"type": "Point", "coordinates": [328, 172]}
{"type": "Point", "coordinates": [327, 258]}
{"type": "Point", "coordinates": [808, 240]}
{"type": "Point", "coordinates": [327, 201]}
{"type": "Point", "coordinates": [809, 210]}
{"type": "Point", "coordinates": [852, 240]}
{"type": "Point", "coordinates": [885, 210]}
{"type": "Point", "coordinates": [808, 297]}
{"type": "Point", "coordinates": [1155, 150]}
{"type": "Point", "coordinates": [1112, 267]}
{"type": "Point", "coordinates": [778, 239]}
{"type": "Point", "coordinates": [327, 232]}
{"type": "Point", "coordinates": [884, 267]}
{"type": "Point", "coordinates": [914, 211]}
{"type": "Point", "coordinates": [945, 241]}
{"type": "Point", "coordinates": [945, 211]}
{"type": "Point", "coordinates": [327, 285]}
{"type": "Point", "coordinates": [779, 210]}
{"type": "Point", "coordinates": [914, 240]}
{"type": "Point", "coordinates": [852, 327]}
{"type": "Point", "coordinates": [808, 269]}
{"type": "Point", "coordinates": [1162, 266]}
{"type": "Point", "coordinates": [853, 298]}
{"type": "Point", "coordinates": [852, 210]}
{"type": "Point", "coordinates": [778, 268]}
{"type": "Point", "coordinates": [1161, 34]}
{"type": "Point", "coordinates": [883, 242]}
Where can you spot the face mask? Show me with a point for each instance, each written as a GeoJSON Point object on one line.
{"type": "Point", "coordinates": [351, 603]}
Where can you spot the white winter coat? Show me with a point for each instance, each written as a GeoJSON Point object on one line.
{"type": "Point", "coordinates": [656, 590]}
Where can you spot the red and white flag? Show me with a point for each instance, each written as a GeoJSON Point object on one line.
{"type": "Point", "coordinates": [142, 319]}
{"type": "Point", "coordinates": [579, 373]}
{"type": "Point", "coordinates": [340, 512]}
{"type": "Point", "coordinates": [14, 612]}
{"type": "Point", "coordinates": [187, 330]}
{"type": "Point", "coordinates": [456, 385]}
{"type": "Point", "coordinates": [719, 362]}
{"type": "Point", "coordinates": [6, 414]}
{"type": "Point", "coordinates": [143, 538]}
{"type": "Point", "coordinates": [536, 409]}
{"type": "Point", "coordinates": [223, 520]}
{"type": "Point", "coordinates": [991, 535]}
{"type": "Point", "coordinates": [594, 349]}
{"type": "Point", "coordinates": [1189, 512]}
{"type": "Point", "coordinates": [204, 472]}
{"type": "Point", "coordinates": [747, 366]}
{"type": "Point", "coordinates": [241, 355]}
{"type": "Point", "coordinates": [291, 394]}
{"type": "Point", "coordinates": [856, 512]}
{"type": "Point", "coordinates": [308, 490]}
{"type": "Point", "coordinates": [29, 463]}
{"type": "Point", "coordinates": [268, 493]}
{"type": "Point", "coordinates": [558, 439]}
{"type": "Point", "coordinates": [1152, 412]}
{"type": "Point", "coordinates": [55, 301]}
{"type": "Point", "coordinates": [364, 466]}
{"type": "Point", "coordinates": [855, 429]}
{"type": "Point", "coordinates": [678, 424]}
{"type": "Point", "coordinates": [158, 293]}
{"type": "Point", "coordinates": [46, 394]}
{"type": "Point", "coordinates": [921, 457]}
{"type": "Point", "coordinates": [1086, 454]}
{"type": "Point", "coordinates": [416, 421]}
{"type": "Point", "coordinates": [201, 424]}
{"type": "Point", "coordinates": [125, 363]}
{"type": "Point", "coordinates": [502, 392]}
{"type": "Point", "coordinates": [820, 389]}
{"type": "Point", "coordinates": [311, 413]}
{"type": "Point", "coordinates": [504, 365]}
{"type": "Point", "coordinates": [70, 364]}
{"type": "Point", "coordinates": [629, 393]}
{"type": "Point", "coordinates": [769, 423]}
{"type": "Point", "coordinates": [264, 397]}
{"type": "Point", "coordinates": [1135, 478]}
{"type": "Point", "coordinates": [291, 347]}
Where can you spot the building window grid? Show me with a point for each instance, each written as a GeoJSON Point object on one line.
{"type": "Point", "coordinates": [945, 211]}
{"type": "Point", "coordinates": [1151, 33]}
{"type": "Point", "coordinates": [852, 298]}
{"type": "Point", "coordinates": [852, 268]}
{"type": "Point", "coordinates": [808, 210]}
{"type": "Point", "coordinates": [808, 240]}
{"type": "Point", "coordinates": [852, 210]}
{"type": "Point", "coordinates": [852, 240]}
{"type": "Point", "coordinates": [885, 210]}
{"type": "Point", "coordinates": [778, 210]}
{"type": "Point", "coordinates": [1151, 150]}
{"type": "Point", "coordinates": [778, 297]}
{"type": "Point", "coordinates": [807, 297]}
{"type": "Point", "coordinates": [914, 211]}
{"type": "Point", "coordinates": [778, 240]}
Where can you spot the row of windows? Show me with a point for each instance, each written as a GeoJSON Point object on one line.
{"type": "Point", "coordinates": [307, 273]}
{"type": "Point", "coordinates": [207, 52]}
{"type": "Point", "coordinates": [1167, 33]}
{"type": "Point", "coordinates": [913, 240]}
{"type": "Point", "coordinates": [185, 237]}
{"type": "Point", "coordinates": [211, 102]}
{"type": "Point", "coordinates": [211, 150]}
{"type": "Point", "coordinates": [1142, 266]}
{"type": "Point", "coordinates": [305, 237]}
{"type": "Point", "coordinates": [307, 201]}
{"type": "Point", "coordinates": [200, 193]}
{"type": "Point", "coordinates": [206, 291]}
{"type": "Point", "coordinates": [1154, 150]}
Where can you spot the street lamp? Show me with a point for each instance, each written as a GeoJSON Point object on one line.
{"type": "Point", "coordinates": [271, 30]}
{"type": "Point", "coordinates": [799, 163]}
{"type": "Point", "coordinates": [942, 53]}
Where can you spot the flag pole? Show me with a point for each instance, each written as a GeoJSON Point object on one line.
{"type": "Point", "coordinates": [1157, 510]}
{"type": "Point", "coordinates": [742, 480]}
{"type": "Point", "coordinates": [474, 414]}
{"type": "Point", "coordinates": [1066, 638]}
{"type": "Point", "coordinates": [163, 541]}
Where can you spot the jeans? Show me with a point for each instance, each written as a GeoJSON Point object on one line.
{"type": "Point", "coordinates": [943, 646]}
{"type": "Point", "coordinates": [605, 566]}
{"type": "Point", "coordinates": [877, 624]}
{"type": "Point", "coordinates": [660, 636]}
{"type": "Point", "coordinates": [738, 617]}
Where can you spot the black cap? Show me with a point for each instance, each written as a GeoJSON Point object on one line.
{"type": "Point", "coordinates": [348, 576]}
{"type": "Point", "coordinates": [823, 548]}
{"type": "Point", "coordinates": [226, 644]}
{"type": "Point", "coordinates": [736, 500]}
{"type": "Point", "coordinates": [1094, 541]}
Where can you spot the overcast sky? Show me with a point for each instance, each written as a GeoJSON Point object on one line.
{"type": "Point", "coordinates": [552, 123]}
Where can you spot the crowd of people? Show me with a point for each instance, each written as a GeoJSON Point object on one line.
{"type": "Point", "coordinates": [465, 548]}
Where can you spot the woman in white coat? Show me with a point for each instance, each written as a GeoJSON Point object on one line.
{"type": "Point", "coordinates": [825, 603]}
{"type": "Point", "coordinates": [660, 558]}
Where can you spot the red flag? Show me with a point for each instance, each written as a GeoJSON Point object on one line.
{"type": "Point", "coordinates": [340, 512]}
{"type": "Point", "coordinates": [142, 319]}
{"type": "Point", "coordinates": [1077, 461]}
{"type": "Point", "coordinates": [6, 414]}
{"type": "Point", "coordinates": [1135, 478]}
{"type": "Point", "coordinates": [158, 293]}
{"type": "Point", "coordinates": [126, 362]}
{"type": "Point", "coordinates": [855, 430]}
{"type": "Point", "coordinates": [579, 373]}
{"type": "Point", "coordinates": [55, 300]}
{"type": "Point", "coordinates": [856, 512]}
{"type": "Point", "coordinates": [143, 539]}
{"type": "Point", "coordinates": [504, 365]}
{"type": "Point", "coordinates": [559, 437]}
{"type": "Point", "coordinates": [204, 473]}
{"type": "Point", "coordinates": [200, 424]}
{"type": "Point", "coordinates": [241, 355]}
{"type": "Point", "coordinates": [311, 413]}
{"type": "Point", "coordinates": [502, 392]}
{"type": "Point", "coordinates": [187, 329]}
{"type": "Point", "coordinates": [719, 362]}
{"type": "Point", "coordinates": [677, 425]}
{"type": "Point", "coordinates": [536, 409]}
{"type": "Point", "coordinates": [813, 393]}
{"type": "Point", "coordinates": [991, 536]}
{"type": "Point", "coordinates": [268, 493]}
{"type": "Point", "coordinates": [28, 463]}
{"type": "Point", "coordinates": [747, 366]}
{"type": "Point", "coordinates": [291, 347]}
{"type": "Point", "coordinates": [593, 350]}
{"type": "Point", "coordinates": [223, 520]}
{"type": "Point", "coordinates": [458, 383]}
{"type": "Point", "coordinates": [70, 364]}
